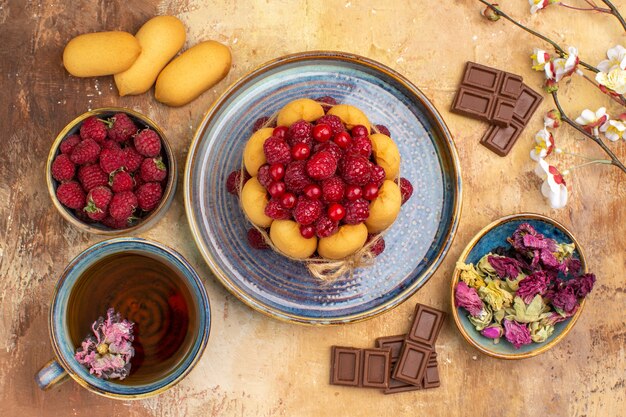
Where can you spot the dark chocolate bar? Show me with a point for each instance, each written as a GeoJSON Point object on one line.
{"type": "Point", "coordinates": [412, 363]}
{"type": "Point", "coordinates": [394, 343]}
{"type": "Point", "coordinates": [353, 367]}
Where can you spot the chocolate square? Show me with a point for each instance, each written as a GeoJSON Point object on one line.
{"type": "Point", "coordinates": [412, 363]}
{"type": "Point", "coordinates": [501, 139]}
{"type": "Point", "coordinates": [511, 86]}
{"type": "Point", "coordinates": [473, 103]}
{"type": "Point", "coordinates": [527, 104]}
{"type": "Point", "coordinates": [345, 366]}
{"type": "Point", "coordinates": [376, 365]}
{"type": "Point", "coordinates": [481, 77]}
{"type": "Point", "coordinates": [426, 325]}
{"type": "Point", "coordinates": [502, 112]}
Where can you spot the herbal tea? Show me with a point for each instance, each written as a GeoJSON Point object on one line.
{"type": "Point", "coordinates": [149, 293]}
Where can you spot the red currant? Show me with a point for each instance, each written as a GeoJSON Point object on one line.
{"type": "Point", "coordinates": [322, 132]}
{"type": "Point", "coordinates": [276, 189]}
{"type": "Point", "coordinates": [277, 171]}
{"type": "Point", "coordinates": [280, 132]}
{"type": "Point", "coordinates": [307, 232]}
{"type": "Point", "coordinates": [342, 139]}
{"type": "Point", "coordinates": [353, 192]}
{"type": "Point", "coordinates": [359, 130]}
{"type": "Point", "coordinates": [314, 192]}
{"type": "Point", "coordinates": [300, 151]}
{"type": "Point", "coordinates": [370, 191]}
{"type": "Point", "coordinates": [336, 212]}
{"type": "Point", "coordinates": [288, 200]}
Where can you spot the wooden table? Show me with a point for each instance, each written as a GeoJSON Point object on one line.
{"type": "Point", "coordinates": [256, 366]}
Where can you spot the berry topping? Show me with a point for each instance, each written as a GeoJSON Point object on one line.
{"type": "Point", "coordinates": [330, 147]}
{"type": "Point", "coordinates": [86, 152]}
{"type": "Point", "coordinates": [94, 129]}
{"type": "Point", "coordinates": [280, 132]}
{"type": "Point", "coordinates": [256, 239]}
{"type": "Point", "coordinates": [122, 205]}
{"type": "Point", "coordinates": [370, 191]}
{"type": "Point", "coordinates": [260, 123]}
{"type": "Point", "coordinates": [300, 132]}
{"type": "Point", "coordinates": [383, 129]}
{"type": "Point", "coordinates": [313, 191]}
{"type": "Point", "coordinates": [353, 192]}
{"type": "Point", "coordinates": [333, 189]}
{"type": "Point", "coordinates": [406, 189]}
{"type": "Point", "coordinates": [357, 211]}
{"type": "Point", "coordinates": [149, 195]}
{"type": "Point", "coordinates": [264, 177]}
{"type": "Point", "coordinates": [333, 121]}
{"type": "Point", "coordinates": [336, 212]}
{"type": "Point", "coordinates": [322, 165]}
{"type": "Point", "coordinates": [378, 247]}
{"type": "Point", "coordinates": [322, 133]}
{"type": "Point", "coordinates": [148, 143]}
{"type": "Point", "coordinates": [111, 160]}
{"type": "Point", "coordinates": [133, 158]}
{"type": "Point", "coordinates": [276, 189]}
{"type": "Point", "coordinates": [288, 200]}
{"type": "Point", "coordinates": [300, 151]}
{"type": "Point", "coordinates": [276, 151]}
{"type": "Point", "coordinates": [110, 144]}
{"type": "Point", "coordinates": [115, 224]}
{"type": "Point", "coordinates": [377, 174]}
{"type": "Point", "coordinates": [69, 143]}
{"type": "Point", "coordinates": [277, 171]}
{"type": "Point", "coordinates": [342, 139]}
{"type": "Point", "coordinates": [71, 195]}
{"type": "Point", "coordinates": [233, 180]}
{"type": "Point", "coordinates": [327, 102]}
{"type": "Point", "coordinates": [121, 181]}
{"type": "Point", "coordinates": [92, 176]}
{"type": "Point", "coordinates": [307, 211]}
{"type": "Point", "coordinates": [98, 202]}
{"type": "Point", "coordinates": [361, 145]}
{"type": "Point", "coordinates": [356, 170]}
{"type": "Point", "coordinates": [296, 177]}
{"type": "Point", "coordinates": [121, 128]}
{"type": "Point", "coordinates": [325, 226]}
{"type": "Point", "coordinates": [63, 168]}
{"type": "Point", "coordinates": [276, 211]}
{"type": "Point", "coordinates": [153, 169]}
{"type": "Point", "coordinates": [307, 232]}
{"type": "Point", "coordinates": [359, 130]}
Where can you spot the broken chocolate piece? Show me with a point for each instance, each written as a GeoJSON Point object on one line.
{"type": "Point", "coordinates": [354, 367]}
{"type": "Point", "coordinates": [527, 103]}
{"type": "Point", "coordinates": [345, 366]}
{"type": "Point", "coordinates": [376, 364]}
{"type": "Point", "coordinates": [426, 326]}
{"type": "Point", "coordinates": [412, 363]}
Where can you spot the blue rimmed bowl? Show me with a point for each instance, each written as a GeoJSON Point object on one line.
{"type": "Point", "coordinates": [487, 240]}
{"type": "Point", "coordinates": [416, 243]}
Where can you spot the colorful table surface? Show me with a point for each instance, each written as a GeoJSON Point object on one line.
{"type": "Point", "coordinates": [254, 365]}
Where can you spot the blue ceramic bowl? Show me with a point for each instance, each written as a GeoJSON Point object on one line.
{"type": "Point", "coordinates": [64, 348]}
{"type": "Point", "coordinates": [416, 243]}
{"type": "Point", "coordinates": [487, 240]}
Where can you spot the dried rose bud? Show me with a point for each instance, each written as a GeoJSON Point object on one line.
{"type": "Point", "coordinates": [492, 332]}
{"type": "Point", "coordinates": [491, 14]}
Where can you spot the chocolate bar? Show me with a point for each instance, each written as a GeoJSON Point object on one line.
{"type": "Point", "coordinates": [427, 324]}
{"type": "Point", "coordinates": [360, 367]}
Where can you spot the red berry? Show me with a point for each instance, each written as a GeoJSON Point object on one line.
{"type": "Point", "coordinates": [111, 160]}
{"type": "Point", "coordinates": [276, 189]}
{"type": "Point", "coordinates": [362, 145]}
{"type": "Point", "coordinates": [333, 189]}
{"type": "Point", "coordinates": [296, 177]}
{"type": "Point", "coordinates": [322, 133]}
{"type": "Point", "coordinates": [276, 211]}
{"type": "Point", "coordinates": [233, 180]}
{"type": "Point", "coordinates": [280, 132]}
{"type": "Point", "coordinates": [288, 200]}
{"type": "Point", "coordinates": [92, 176]}
{"type": "Point", "coordinates": [276, 151]}
{"type": "Point", "coordinates": [71, 195]}
{"type": "Point", "coordinates": [406, 189]}
{"type": "Point", "coordinates": [325, 226]}
{"type": "Point", "coordinates": [115, 224]}
{"type": "Point", "coordinates": [121, 181]}
{"type": "Point", "coordinates": [256, 239]}
{"type": "Point", "coordinates": [121, 127]}
{"type": "Point", "coordinates": [377, 175]}
{"type": "Point", "coordinates": [383, 129]}
{"type": "Point", "coordinates": [111, 144]}
{"type": "Point", "coordinates": [378, 247]}
{"type": "Point", "coordinates": [148, 143]}
{"type": "Point", "coordinates": [98, 201]}
{"type": "Point", "coordinates": [63, 168]}
{"type": "Point", "coordinates": [82, 216]}
{"type": "Point", "coordinates": [94, 129]}
{"type": "Point", "coordinates": [69, 143]}
{"type": "Point", "coordinates": [336, 211]}
{"type": "Point", "coordinates": [355, 169]}
{"type": "Point", "coordinates": [322, 165]}
{"type": "Point", "coordinates": [149, 195]}
{"type": "Point", "coordinates": [307, 211]}
{"type": "Point", "coordinates": [153, 169]}
{"type": "Point", "coordinates": [370, 191]}
{"type": "Point", "coordinates": [123, 205]}
{"type": "Point", "coordinates": [357, 211]}
{"type": "Point", "coordinates": [333, 121]}
{"type": "Point", "coordinates": [260, 123]}
{"type": "Point", "coordinates": [353, 192]}
{"type": "Point", "coordinates": [342, 139]}
{"type": "Point", "coordinates": [359, 130]}
{"type": "Point", "coordinates": [277, 171]}
{"type": "Point", "coordinates": [327, 102]}
{"type": "Point", "coordinates": [300, 151]}
{"type": "Point", "coordinates": [313, 191]}
{"type": "Point", "coordinates": [307, 232]}
{"type": "Point", "coordinates": [330, 147]}
{"type": "Point", "coordinates": [86, 152]}
{"type": "Point", "coordinates": [300, 132]}
{"type": "Point", "coordinates": [133, 158]}
{"type": "Point", "coordinates": [264, 177]}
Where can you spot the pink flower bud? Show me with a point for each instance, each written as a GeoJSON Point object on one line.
{"type": "Point", "coordinates": [492, 332]}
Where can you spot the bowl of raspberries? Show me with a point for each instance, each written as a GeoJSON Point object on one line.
{"type": "Point", "coordinates": [111, 171]}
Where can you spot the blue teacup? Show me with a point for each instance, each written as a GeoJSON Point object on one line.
{"type": "Point", "coordinates": [150, 285]}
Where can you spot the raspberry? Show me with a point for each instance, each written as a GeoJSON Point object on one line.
{"type": "Point", "coordinates": [300, 132]}
{"type": "Point", "coordinates": [111, 144]}
{"type": "Point", "coordinates": [62, 168]}
{"type": "Point", "coordinates": [121, 127]}
{"type": "Point", "coordinates": [357, 211]}
{"type": "Point", "coordinates": [133, 158]}
{"type": "Point", "coordinates": [322, 165]}
{"type": "Point", "coordinates": [259, 123]}
{"type": "Point", "coordinates": [256, 239]}
{"type": "Point", "coordinates": [121, 181]}
{"type": "Point", "coordinates": [264, 177]}
{"type": "Point", "coordinates": [94, 129]}
{"type": "Point", "coordinates": [383, 129]}
{"type": "Point", "coordinates": [361, 145]}
{"type": "Point", "coordinates": [122, 205]}
{"type": "Point", "coordinates": [149, 195]}
{"type": "Point", "coordinates": [327, 102]}
{"type": "Point", "coordinates": [233, 180]}
{"type": "Point", "coordinates": [148, 143]}
{"type": "Point", "coordinates": [325, 227]}
{"type": "Point", "coordinates": [115, 224]}
{"type": "Point", "coordinates": [378, 247]}
{"type": "Point", "coordinates": [153, 169]}
{"type": "Point", "coordinates": [333, 189]}
{"type": "Point", "coordinates": [276, 211]}
{"type": "Point", "coordinates": [406, 189]}
{"type": "Point", "coordinates": [91, 176]}
{"type": "Point", "coordinates": [377, 175]}
{"type": "Point", "coordinates": [71, 195]}
{"type": "Point", "coordinates": [355, 169]}
{"type": "Point", "coordinates": [307, 211]}
{"type": "Point", "coordinates": [330, 147]}
{"type": "Point", "coordinates": [333, 121]}
{"type": "Point", "coordinates": [98, 201]}
{"type": "Point", "coordinates": [296, 177]}
{"type": "Point", "coordinates": [85, 152]}
{"type": "Point", "coordinates": [276, 151]}
{"type": "Point", "coordinates": [69, 143]}
{"type": "Point", "coordinates": [111, 160]}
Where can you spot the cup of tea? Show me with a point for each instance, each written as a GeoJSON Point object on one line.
{"type": "Point", "coordinates": [150, 285]}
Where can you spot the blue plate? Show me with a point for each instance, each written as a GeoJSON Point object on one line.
{"type": "Point", "coordinates": [487, 240]}
{"type": "Point", "coordinates": [416, 243]}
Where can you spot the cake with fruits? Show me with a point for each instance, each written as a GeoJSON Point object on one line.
{"type": "Point", "coordinates": [320, 183]}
